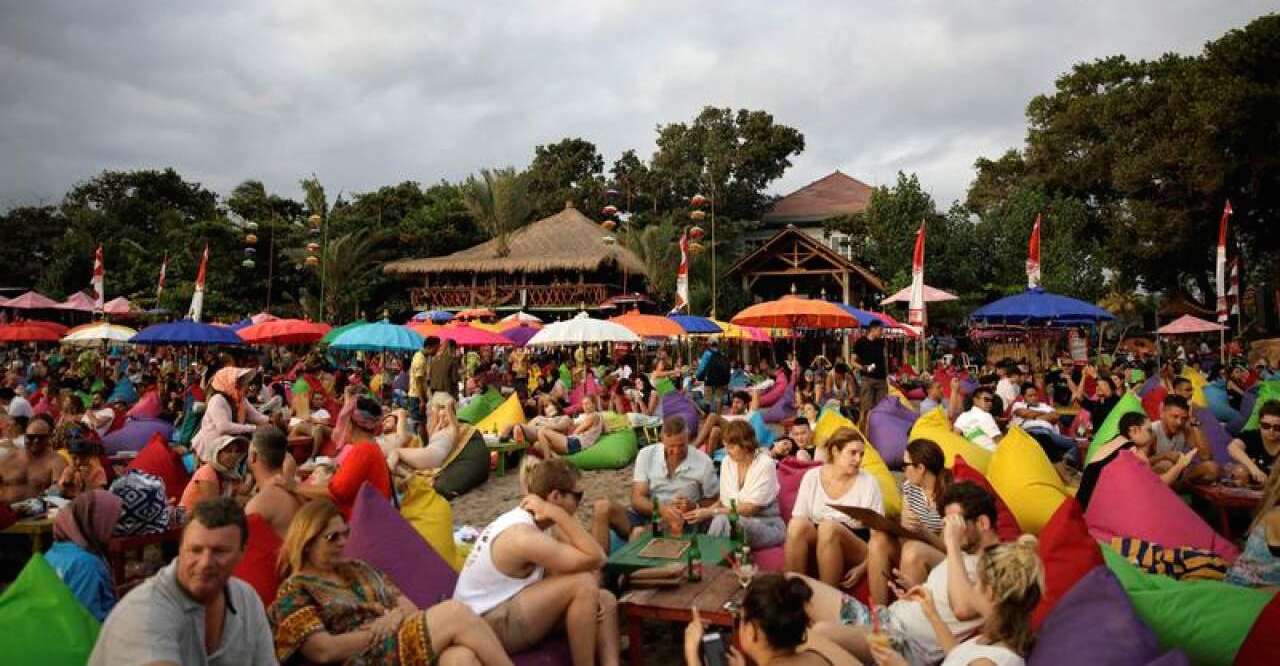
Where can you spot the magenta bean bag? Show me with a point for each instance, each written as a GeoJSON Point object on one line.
{"type": "Point", "coordinates": [889, 429]}
{"type": "Point", "coordinates": [1214, 433]}
{"type": "Point", "coordinates": [1095, 623]}
{"type": "Point", "coordinates": [916, 394]}
{"type": "Point", "coordinates": [784, 408]}
{"type": "Point", "coordinates": [790, 473]}
{"type": "Point", "coordinates": [679, 404]}
{"type": "Point", "coordinates": [775, 392]}
{"type": "Point", "coordinates": [135, 434]}
{"type": "Point", "coordinates": [1131, 501]}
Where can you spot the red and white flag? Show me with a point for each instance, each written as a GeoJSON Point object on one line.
{"type": "Point", "coordinates": [96, 283]}
{"type": "Point", "coordinates": [1224, 310]}
{"type": "Point", "coordinates": [915, 313]}
{"type": "Point", "coordinates": [197, 298]}
{"type": "Point", "coordinates": [1033, 256]}
{"type": "Point", "coordinates": [682, 276]}
{"type": "Point", "coordinates": [164, 265]}
{"type": "Point", "coordinates": [1233, 294]}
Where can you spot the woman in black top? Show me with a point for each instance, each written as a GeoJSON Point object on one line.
{"type": "Point", "coordinates": [1135, 435]}
{"type": "Point", "coordinates": [1105, 398]}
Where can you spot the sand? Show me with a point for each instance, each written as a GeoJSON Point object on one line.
{"type": "Point", "coordinates": [480, 506]}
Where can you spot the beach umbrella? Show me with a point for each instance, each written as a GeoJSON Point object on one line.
{"type": "Point", "coordinates": [521, 316]}
{"type": "Point", "coordinates": [25, 331]}
{"type": "Point", "coordinates": [1187, 324]}
{"type": "Point", "coordinates": [695, 325]}
{"type": "Point", "coordinates": [186, 332]}
{"type": "Point", "coordinates": [476, 313]}
{"type": "Point", "coordinates": [796, 312]}
{"type": "Point", "coordinates": [78, 301]}
{"type": "Point", "coordinates": [747, 333]}
{"type": "Point", "coordinates": [284, 332]}
{"type": "Point", "coordinates": [649, 326]}
{"type": "Point", "coordinates": [118, 306]}
{"type": "Point", "coordinates": [424, 329]}
{"type": "Point", "coordinates": [1037, 307]}
{"type": "Point", "coordinates": [32, 301]}
{"type": "Point", "coordinates": [580, 330]}
{"type": "Point", "coordinates": [520, 334]}
{"type": "Point", "coordinates": [378, 336]}
{"type": "Point", "coordinates": [931, 295]}
{"type": "Point", "coordinates": [864, 318]}
{"type": "Point", "coordinates": [335, 332]}
{"type": "Point", "coordinates": [98, 332]}
{"type": "Point", "coordinates": [469, 335]}
{"type": "Point", "coordinates": [508, 324]}
{"type": "Point", "coordinates": [3, 300]}
{"type": "Point", "coordinates": [434, 316]}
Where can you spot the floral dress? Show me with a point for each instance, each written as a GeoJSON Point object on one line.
{"type": "Point", "coordinates": [307, 604]}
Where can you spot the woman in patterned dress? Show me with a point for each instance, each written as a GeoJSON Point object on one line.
{"type": "Point", "coordinates": [336, 610]}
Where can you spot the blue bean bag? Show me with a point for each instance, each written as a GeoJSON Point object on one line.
{"type": "Point", "coordinates": [612, 451]}
{"type": "Point", "coordinates": [679, 404]}
{"type": "Point", "coordinates": [1219, 402]}
{"type": "Point", "coordinates": [1250, 399]}
{"type": "Point", "coordinates": [764, 434]}
{"type": "Point", "coordinates": [889, 429]}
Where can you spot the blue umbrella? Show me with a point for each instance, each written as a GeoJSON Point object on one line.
{"type": "Point", "coordinates": [434, 316]}
{"type": "Point", "coordinates": [186, 332]}
{"type": "Point", "coordinates": [240, 325]}
{"type": "Point", "coordinates": [864, 317]}
{"type": "Point", "coordinates": [378, 336]}
{"type": "Point", "coordinates": [1038, 307]}
{"type": "Point", "coordinates": [696, 325]}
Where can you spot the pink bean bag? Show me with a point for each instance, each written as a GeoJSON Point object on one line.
{"type": "Point", "coordinates": [889, 429]}
{"type": "Point", "coordinates": [790, 473]}
{"type": "Point", "coordinates": [775, 392]}
{"type": "Point", "coordinates": [1131, 501]}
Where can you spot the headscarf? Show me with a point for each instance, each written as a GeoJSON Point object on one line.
{"type": "Point", "coordinates": [89, 521]}
{"type": "Point", "coordinates": [218, 445]}
{"type": "Point", "coordinates": [227, 382]}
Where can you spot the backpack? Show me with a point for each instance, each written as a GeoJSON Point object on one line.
{"type": "Point", "coordinates": [717, 370]}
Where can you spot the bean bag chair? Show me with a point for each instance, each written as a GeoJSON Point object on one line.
{"type": "Point", "coordinates": [1149, 385]}
{"type": "Point", "coordinates": [136, 434]}
{"type": "Point", "coordinates": [1028, 482]}
{"type": "Point", "coordinates": [615, 422]}
{"type": "Point", "coordinates": [1069, 553]}
{"type": "Point", "coordinates": [1110, 426]}
{"type": "Point", "coordinates": [1131, 501]}
{"type": "Point", "coordinates": [480, 406]}
{"type": "Point", "coordinates": [469, 468]}
{"type": "Point", "coordinates": [828, 423]}
{"type": "Point", "coordinates": [1263, 642]}
{"type": "Point", "coordinates": [1215, 394]}
{"type": "Point", "coordinates": [1006, 523]}
{"type": "Point", "coordinates": [258, 567]}
{"type": "Point", "coordinates": [764, 434]}
{"type": "Point", "coordinates": [889, 428]}
{"type": "Point", "coordinates": [587, 387]}
{"type": "Point", "coordinates": [1198, 383]}
{"type": "Point", "coordinates": [1153, 402]}
{"type": "Point", "coordinates": [916, 394]}
{"type": "Point", "coordinates": [785, 407]}
{"type": "Point", "coordinates": [1207, 620]}
{"type": "Point", "coordinates": [1247, 404]}
{"type": "Point", "coordinates": [509, 413]}
{"type": "Point", "coordinates": [157, 459]}
{"type": "Point", "coordinates": [775, 392]}
{"type": "Point", "coordinates": [612, 451]}
{"type": "Point", "coordinates": [664, 386]}
{"type": "Point", "coordinates": [790, 474]}
{"type": "Point", "coordinates": [44, 623]}
{"type": "Point", "coordinates": [1268, 390]}
{"type": "Point", "coordinates": [1095, 623]}
{"type": "Point", "coordinates": [1214, 434]}
{"type": "Point", "coordinates": [190, 426]}
{"type": "Point", "coordinates": [679, 404]}
{"type": "Point", "coordinates": [936, 427]}
{"type": "Point", "coordinates": [432, 518]}
{"type": "Point", "coordinates": [123, 392]}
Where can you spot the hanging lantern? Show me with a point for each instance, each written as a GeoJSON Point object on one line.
{"type": "Point", "coordinates": [695, 248]}
{"type": "Point", "coordinates": [313, 247]}
{"type": "Point", "coordinates": [698, 201]}
{"type": "Point", "coordinates": [696, 233]}
{"type": "Point", "coordinates": [251, 226]}
{"type": "Point", "coordinates": [315, 231]}
{"type": "Point", "coordinates": [611, 210]}
{"type": "Point", "coordinates": [247, 263]}
{"type": "Point", "coordinates": [251, 239]}
{"type": "Point", "coordinates": [315, 220]}
{"type": "Point", "coordinates": [609, 225]}
{"type": "Point", "coordinates": [313, 261]}
{"type": "Point", "coordinates": [249, 252]}
{"type": "Point", "coordinates": [697, 215]}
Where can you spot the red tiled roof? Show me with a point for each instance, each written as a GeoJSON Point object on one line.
{"type": "Point", "coordinates": [830, 196]}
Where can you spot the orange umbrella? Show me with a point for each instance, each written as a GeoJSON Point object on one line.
{"type": "Point", "coordinates": [476, 313]}
{"type": "Point", "coordinates": [509, 323]}
{"type": "Point", "coordinates": [649, 326]}
{"type": "Point", "coordinates": [795, 312]}
{"type": "Point", "coordinates": [284, 332]}
{"type": "Point", "coordinates": [424, 328]}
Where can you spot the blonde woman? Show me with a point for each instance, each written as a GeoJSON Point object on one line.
{"type": "Point", "coordinates": [1009, 584]}
{"type": "Point", "coordinates": [442, 434]}
{"type": "Point", "coordinates": [1259, 564]}
{"type": "Point", "coordinates": [336, 610]}
{"type": "Point", "coordinates": [549, 417]}
{"type": "Point", "coordinates": [586, 430]}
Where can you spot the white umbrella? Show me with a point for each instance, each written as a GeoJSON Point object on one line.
{"type": "Point", "coordinates": [931, 295]}
{"type": "Point", "coordinates": [581, 329]}
{"type": "Point", "coordinates": [92, 334]}
{"type": "Point", "coordinates": [521, 316]}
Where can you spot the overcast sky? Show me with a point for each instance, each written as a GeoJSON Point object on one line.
{"type": "Point", "coordinates": [372, 93]}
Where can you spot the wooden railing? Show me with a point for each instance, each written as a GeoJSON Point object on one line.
{"type": "Point", "coordinates": [489, 296]}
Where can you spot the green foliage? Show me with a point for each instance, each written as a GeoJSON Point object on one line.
{"type": "Point", "coordinates": [498, 202]}
{"type": "Point", "coordinates": [658, 247]}
{"type": "Point", "coordinates": [570, 170]}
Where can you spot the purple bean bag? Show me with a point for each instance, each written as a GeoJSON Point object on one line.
{"type": "Point", "coordinates": [679, 404]}
{"type": "Point", "coordinates": [784, 408]}
{"type": "Point", "coordinates": [1095, 623]}
{"type": "Point", "coordinates": [384, 539]}
{"type": "Point", "coordinates": [1215, 434]}
{"type": "Point", "coordinates": [1246, 410]}
{"type": "Point", "coordinates": [1148, 386]}
{"type": "Point", "coordinates": [889, 429]}
{"type": "Point", "coordinates": [135, 434]}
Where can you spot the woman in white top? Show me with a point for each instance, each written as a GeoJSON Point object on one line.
{"type": "Point", "coordinates": [750, 477]}
{"type": "Point", "coordinates": [585, 432]}
{"type": "Point", "coordinates": [839, 541]}
{"type": "Point", "coordinates": [1010, 582]}
{"type": "Point", "coordinates": [442, 434]}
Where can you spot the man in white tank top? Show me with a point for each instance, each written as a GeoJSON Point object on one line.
{"type": "Point", "coordinates": [527, 579]}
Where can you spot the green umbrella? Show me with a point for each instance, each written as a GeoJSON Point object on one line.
{"type": "Point", "coordinates": [333, 334]}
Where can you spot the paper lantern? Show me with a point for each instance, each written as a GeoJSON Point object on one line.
{"type": "Point", "coordinates": [315, 220]}
{"type": "Point", "coordinates": [313, 247]}
{"type": "Point", "coordinates": [697, 215]}
{"type": "Point", "coordinates": [696, 233]}
{"type": "Point", "coordinates": [315, 231]}
{"type": "Point", "coordinates": [695, 248]}
{"type": "Point", "coordinates": [698, 201]}
{"type": "Point", "coordinates": [251, 239]}
{"type": "Point", "coordinates": [609, 225]}
{"type": "Point", "coordinates": [247, 263]}
{"type": "Point", "coordinates": [313, 261]}
{"type": "Point", "coordinates": [251, 226]}
{"type": "Point", "coordinates": [249, 252]}
{"type": "Point", "coordinates": [611, 210]}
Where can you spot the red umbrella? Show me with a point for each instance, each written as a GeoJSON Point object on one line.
{"type": "Point", "coordinates": [467, 336]}
{"type": "Point", "coordinates": [32, 301]}
{"type": "Point", "coordinates": [284, 332]}
{"type": "Point", "coordinates": [476, 313]}
{"type": "Point", "coordinates": [26, 331]}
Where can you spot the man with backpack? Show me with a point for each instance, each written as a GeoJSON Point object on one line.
{"type": "Point", "coordinates": [714, 372]}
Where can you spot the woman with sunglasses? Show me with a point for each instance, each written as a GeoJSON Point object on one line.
{"type": "Point", "coordinates": [926, 482]}
{"type": "Point", "coordinates": [336, 610]}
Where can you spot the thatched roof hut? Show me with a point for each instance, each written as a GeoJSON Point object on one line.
{"type": "Point", "coordinates": [560, 261]}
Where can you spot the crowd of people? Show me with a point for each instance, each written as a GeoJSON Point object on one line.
{"type": "Point", "coordinates": [278, 443]}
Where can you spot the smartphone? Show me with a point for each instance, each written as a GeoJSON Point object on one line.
{"type": "Point", "coordinates": [714, 651]}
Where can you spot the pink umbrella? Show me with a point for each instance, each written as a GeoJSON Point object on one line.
{"type": "Point", "coordinates": [1187, 324]}
{"type": "Point", "coordinates": [931, 295]}
{"type": "Point", "coordinates": [117, 306]}
{"type": "Point", "coordinates": [263, 316]}
{"type": "Point", "coordinates": [466, 336]}
{"type": "Point", "coordinates": [32, 301]}
{"type": "Point", "coordinates": [892, 323]}
{"type": "Point", "coordinates": [78, 301]}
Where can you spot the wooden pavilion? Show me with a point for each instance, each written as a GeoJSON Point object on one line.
{"type": "Point", "coordinates": [563, 262]}
{"type": "Point", "coordinates": [794, 262]}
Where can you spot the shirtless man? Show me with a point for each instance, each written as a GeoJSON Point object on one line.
{"type": "Point", "coordinates": [526, 579]}
{"type": "Point", "coordinates": [267, 453]}
{"type": "Point", "coordinates": [26, 473]}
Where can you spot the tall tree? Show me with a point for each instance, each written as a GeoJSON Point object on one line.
{"type": "Point", "coordinates": [569, 170]}
{"type": "Point", "coordinates": [499, 203]}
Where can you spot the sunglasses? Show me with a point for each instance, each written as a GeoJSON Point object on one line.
{"type": "Point", "coordinates": [340, 535]}
{"type": "Point", "coordinates": [1272, 426]}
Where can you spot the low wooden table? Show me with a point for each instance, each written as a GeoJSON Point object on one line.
{"type": "Point", "coordinates": [718, 587]}
{"type": "Point", "coordinates": [1225, 498]}
{"type": "Point", "coordinates": [118, 549]}
{"type": "Point", "coordinates": [628, 558]}
{"type": "Point", "coordinates": [502, 449]}
{"type": "Point", "coordinates": [33, 528]}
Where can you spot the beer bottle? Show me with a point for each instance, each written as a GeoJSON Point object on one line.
{"type": "Point", "coordinates": [694, 565]}
{"type": "Point", "coordinates": [735, 523]}
{"type": "Point", "coordinates": [655, 520]}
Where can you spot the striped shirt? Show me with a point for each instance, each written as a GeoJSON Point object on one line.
{"type": "Point", "coordinates": [922, 507]}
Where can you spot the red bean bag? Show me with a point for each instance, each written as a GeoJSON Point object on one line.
{"type": "Point", "coordinates": [1153, 401]}
{"type": "Point", "coordinates": [1006, 524]}
{"type": "Point", "coordinates": [1263, 642]}
{"type": "Point", "coordinates": [1068, 553]}
{"type": "Point", "coordinates": [1131, 501]}
{"type": "Point", "coordinates": [157, 459]}
{"type": "Point", "coordinates": [258, 567]}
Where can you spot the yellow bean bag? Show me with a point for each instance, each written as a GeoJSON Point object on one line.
{"type": "Point", "coordinates": [935, 426]}
{"type": "Point", "coordinates": [828, 423]}
{"type": "Point", "coordinates": [432, 517]}
{"type": "Point", "coordinates": [1025, 479]}
{"type": "Point", "coordinates": [507, 414]}
{"type": "Point", "coordinates": [1197, 383]}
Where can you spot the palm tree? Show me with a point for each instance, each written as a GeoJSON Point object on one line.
{"type": "Point", "coordinates": [499, 202]}
{"type": "Point", "coordinates": [656, 246]}
{"type": "Point", "coordinates": [348, 265]}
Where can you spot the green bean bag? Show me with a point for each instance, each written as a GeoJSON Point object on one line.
{"type": "Point", "coordinates": [467, 471]}
{"type": "Point", "coordinates": [480, 406]}
{"type": "Point", "coordinates": [1268, 390]}
{"type": "Point", "coordinates": [1110, 426]}
{"type": "Point", "coordinates": [43, 621]}
{"type": "Point", "coordinates": [612, 451]}
{"type": "Point", "coordinates": [1207, 620]}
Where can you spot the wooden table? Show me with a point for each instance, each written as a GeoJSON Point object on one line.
{"type": "Point", "coordinates": [118, 549]}
{"type": "Point", "coordinates": [718, 586]}
{"type": "Point", "coordinates": [1225, 498]}
{"type": "Point", "coordinates": [628, 558]}
{"type": "Point", "coordinates": [34, 528]}
{"type": "Point", "coordinates": [502, 449]}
